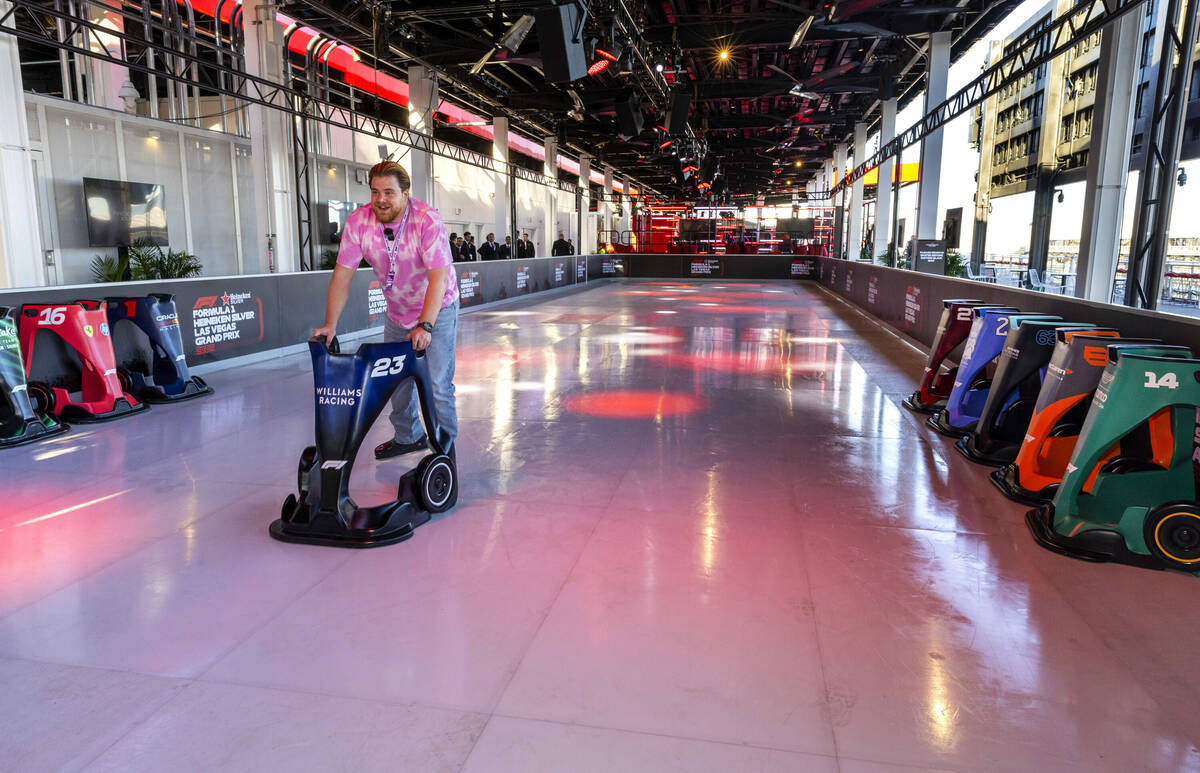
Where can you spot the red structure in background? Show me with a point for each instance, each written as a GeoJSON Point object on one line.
{"type": "Point", "coordinates": [678, 229]}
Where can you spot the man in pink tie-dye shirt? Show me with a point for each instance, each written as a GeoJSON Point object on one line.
{"type": "Point", "coordinates": [404, 241]}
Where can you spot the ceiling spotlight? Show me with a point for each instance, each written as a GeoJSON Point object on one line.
{"type": "Point", "coordinates": [599, 66]}
{"type": "Point", "coordinates": [798, 163]}
{"type": "Point", "coordinates": [611, 53]}
{"type": "Point", "coordinates": [723, 55]}
{"type": "Point", "coordinates": [659, 67]}
{"type": "Point", "coordinates": [803, 93]}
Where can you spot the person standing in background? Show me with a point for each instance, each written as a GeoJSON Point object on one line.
{"type": "Point", "coordinates": [487, 250]}
{"type": "Point", "coordinates": [559, 247]}
{"type": "Point", "coordinates": [525, 247]}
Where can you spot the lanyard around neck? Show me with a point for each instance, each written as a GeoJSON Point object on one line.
{"type": "Point", "coordinates": [393, 246]}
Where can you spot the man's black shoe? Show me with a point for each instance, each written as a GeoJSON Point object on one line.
{"type": "Point", "coordinates": [392, 448]}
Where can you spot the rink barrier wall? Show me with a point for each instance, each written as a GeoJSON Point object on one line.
{"type": "Point", "coordinates": [910, 302]}
{"type": "Point", "coordinates": [235, 316]}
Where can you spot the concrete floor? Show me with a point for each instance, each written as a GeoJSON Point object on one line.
{"type": "Point", "coordinates": [696, 532]}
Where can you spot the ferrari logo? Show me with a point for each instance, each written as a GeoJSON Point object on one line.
{"type": "Point", "coordinates": [88, 331]}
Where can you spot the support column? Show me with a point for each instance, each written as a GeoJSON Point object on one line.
{"type": "Point", "coordinates": [20, 246]}
{"type": "Point", "coordinates": [550, 208]}
{"type": "Point", "coordinates": [627, 219]}
{"type": "Point", "coordinates": [422, 100]}
{"type": "Point", "coordinates": [983, 176]}
{"type": "Point", "coordinates": [839, 219]}
{"type": "Point", "coordinates": [883, 193]}
{"type": "Point", "coordinates": [931, 146]}
{"type": "Point", "coordinates": [1164, 136]}
{"type": "Point", "coordinates": [855, 243]}
{"type": "Point", "coordinates": [502, 217]}
{"type": "Point", "coordinates": [586, 241]}
{"type": "Point", "coordinates": [270, 148]}
{"type": "Point", "coordinates": [105, 78]}
{"type": "Point", "coordinates": [606, 204]}
{"type": "Point", "coordinates": [1108, 162]}
{"type": "Point", "coordinates": [827, 175]}
{"type": "Point", "coordinates": [1047, 157]}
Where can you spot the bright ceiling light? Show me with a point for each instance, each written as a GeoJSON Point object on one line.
{"type": "Point", "coordinates": [723, 55]}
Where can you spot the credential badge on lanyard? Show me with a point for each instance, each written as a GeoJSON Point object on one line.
{"type": "Point", "coordinates": [392, 245]}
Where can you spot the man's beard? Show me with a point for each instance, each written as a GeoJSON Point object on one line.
{"type": "Point", "coordinates": [387, 216]}
{"type": "Point", "coordinates": [391, 215]}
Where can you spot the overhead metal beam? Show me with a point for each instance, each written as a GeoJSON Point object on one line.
{"type": "Point", "coordinates": [1054, 40]}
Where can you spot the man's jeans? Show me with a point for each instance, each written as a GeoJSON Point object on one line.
{"type": "Point", "coordinates": [439, 355]}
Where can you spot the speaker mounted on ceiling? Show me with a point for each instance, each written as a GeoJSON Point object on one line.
{"type": "Point", "coordinates": [677, 115]}
{"type": "Point", "coordinates": [629, 113]}
{"type": "Point", "coordinates": [560, 36]}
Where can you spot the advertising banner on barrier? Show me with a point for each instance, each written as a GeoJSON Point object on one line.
{"type": "Point", "coordinates": [705, 267]}
{"type": "Point", "coordinates": [560, 273]}
{"type": "Point", "coordinates": [470, 287]}
{"type": "Point", "coordinates": [227, 321]}
{"type": "Point", "coordinates": [803, 268]}
{"type": "Point", "coordinates": [523, 279]}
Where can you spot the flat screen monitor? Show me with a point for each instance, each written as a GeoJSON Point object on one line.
{"type": "Point", "coordinates": [795, 227]}
{"type": "Point", "coordinates": [120, 213]}
{"type": "Point", "coordinates": [336, 213]}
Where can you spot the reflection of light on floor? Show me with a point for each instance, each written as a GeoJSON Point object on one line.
{"type": "Point", "coordinates": [710, 304]}
{"type": "Point", "coordinates": [711, 516]}
{"type": "Point", "coordinates": [810, 340]}
{"type": "Point", "coordinates": [665, 311]}
{"type": "Point", "coordinates": [640, 337]}
{"type": "Point", "coordinates": [55, 452]}
{"type": "Point", "coordinates": [527, 386]}
{"type": "Point", "coordinates": [943, 716]}
{"type": "Point", "coordinates": [512, 313]}
{"type": "Point", "coordinates": [509, 326]}
{"type": "Point", "coordinates": [551, 378]}
{"type": "Point", "coordinates": [649, 351]}
{"type": "Point", "coordinates": [468, 389]}
{"type": "Point", "coordinates": [633, 404]}
{"type": "Point", "coordinates": [73, 508]}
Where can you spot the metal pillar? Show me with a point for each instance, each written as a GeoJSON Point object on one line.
{"type": "Point", "coordinates": [550, 197]}
{"type": "Point", "coordinates": [931, 147]}
{"type": "Point", "coordinates": [422, 100]}
{"type": "Point", "coordinates": [269, 147]}
{"type": "Point", "coordinates": [301, 164]}
{"type": "Point", "coordinates": [501, 204]}
{"type": "Point", "coordinates": [20, 247]}
{"type": "Point", "coordinates": [883, 191]}
{"type": "Point", "coordinates": [1108, 162]}
{"type": "Point", "coordinates": [1156, 188]}
{"type": "Point", "coordinates": [606, 205]}
{"type": "Point", "coordinates": [854, 248]}
{"type": "Point", "coordinates": [983, 175]}
{"type": "Point", "coordinates": [585, 244]}
{"type": "Point", "coordinates": [839, 219]}
{"type": "Point", "coordinates": [1043, 211]}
